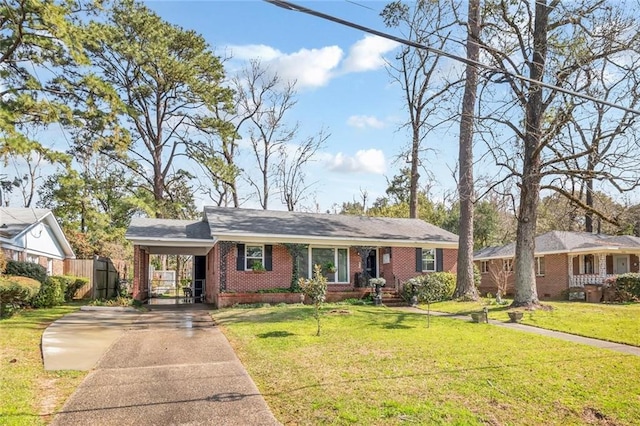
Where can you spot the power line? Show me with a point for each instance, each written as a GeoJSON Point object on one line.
{"type": "Point", "coordinates": [296, 8]}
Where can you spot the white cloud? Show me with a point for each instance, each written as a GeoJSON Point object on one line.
{"type": "Point", "coordinates": [367, 54]}
{"type": "Point", "coordinates": [312, 68]}
{"type": "Point", "coordinates": [364, 161]}
{"type": "Point", "coordinates": [309, 67]}
{"type": "Point", "coordinates": [364, 121]}
{"type": "Point", "coordinates": [254, 51]}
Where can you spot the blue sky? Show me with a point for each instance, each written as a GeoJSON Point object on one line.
{"type": "Point", "coordinates": [341, 80]}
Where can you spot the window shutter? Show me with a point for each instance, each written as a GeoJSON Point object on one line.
{"type": "Point", "coordinates": [439, 260]}
{"type": "Point", "coordinates": [268, 257]}
{"type": "Point", "coordinates": [240, 257]}
{"type": "Point", "coordinates": [418, 259]}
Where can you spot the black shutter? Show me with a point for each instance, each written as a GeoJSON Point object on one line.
{"type": "Point", "coordinates": [418, 259]}
{"type": "Point", "coordinates": [240, 258]}
{"type": "Point", "coordinates": [439, 260]}
{"type": "Point", "coordinates": [268, 257]}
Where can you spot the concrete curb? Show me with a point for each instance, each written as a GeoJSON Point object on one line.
{"type": "Point", "coordinates": [109, 308]}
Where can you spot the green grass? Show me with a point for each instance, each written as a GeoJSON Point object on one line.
{"type": "Point", "coordinates": [615, 323]}
{"type": "Point", "coordinates": [28, 394]}
{"type": "Point", "coordinates": [376, 366]}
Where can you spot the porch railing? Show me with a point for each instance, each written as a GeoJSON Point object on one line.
{"type": "Point", "coordinates": [582, 280]}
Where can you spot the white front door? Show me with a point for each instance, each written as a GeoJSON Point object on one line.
{"type": "Point", "coordinates": [620, 264]}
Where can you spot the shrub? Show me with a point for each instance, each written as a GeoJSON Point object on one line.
{"type": "Point", "coordinates": [430, 288]}
{"type": "Point", "coordinates": [69, 285]}
{"type": "Point", "coordinates": [26, 269]}
{"type": "Point", "coordinates": [477, 276]}
{"type": "Point", "coordinates": [51, 293]}
{"type": "Point", "coordinates": [16, 293]}
{"type": "Point", "coordinates": [624, 288]}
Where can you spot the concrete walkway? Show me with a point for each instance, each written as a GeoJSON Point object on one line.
{"type": "Point", "coordinates": [166, 367]}
{"type": "Point", "coordinates": [603, 344]}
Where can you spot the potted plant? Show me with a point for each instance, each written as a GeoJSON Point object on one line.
{"type": "Point", "coordinates": [330, 267]}
{"type": "Point", "coordinates": [258, 267]}
{"type": "Point", "coordinates": [377, 284]}
{"type": "Point", "coordinates": [515, 316]}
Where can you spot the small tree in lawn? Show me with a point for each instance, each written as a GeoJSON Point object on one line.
{"type": "Point", "coordinates": [316, 290]}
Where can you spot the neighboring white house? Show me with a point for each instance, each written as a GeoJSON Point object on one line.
{"type": "Point", "coordinates": [34, 235]}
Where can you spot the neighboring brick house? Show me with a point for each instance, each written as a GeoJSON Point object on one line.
{"type": "Point", "coordinates": [565, 262]}
{"type": "Point", "coordinates": [227, 242]}
{"type": "Point", "coordinates": [33, 235]}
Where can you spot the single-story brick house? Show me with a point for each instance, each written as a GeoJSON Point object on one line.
{"type": "Point", "coordinates": [565, 262]}
{"type": "Point", "coordinates": [34, 235]}
{"type": "Point", "coordinates": [227, 242]}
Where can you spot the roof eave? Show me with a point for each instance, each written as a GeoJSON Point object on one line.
{"type": "Point", "coordinates": [346, 241]}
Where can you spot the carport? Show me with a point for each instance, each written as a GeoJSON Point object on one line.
{"type": "Point", "coordinates": [172, 237]}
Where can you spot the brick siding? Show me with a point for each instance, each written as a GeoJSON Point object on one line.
{"type": "Point", "coordinates": [402, 265]}
{"type": "Point", "coordinates": [549, 286]}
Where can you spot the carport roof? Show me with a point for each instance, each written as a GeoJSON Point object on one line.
{"type": "Point", "coordinates": [143, 228]}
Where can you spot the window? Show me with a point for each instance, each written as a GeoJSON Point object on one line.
{"type": "Point", "coordinates": [339, 257]}
{"type": "Point", "coordinates": [590, 264]}
{"type": "Point", "coordinates": [49, 267]}
{"type": "Point", "coordinates": [540, 266]}
{"type": "Point", "coordinates": [253, 255]}
{"type": "Point", "coordinates": [484, 266]}
{"type": "Point", "coordinates": [33, 259]}
{"type": "Point", "coordinates": [429, 260]}
{"type": "Point", "coordinates": [507, 265]}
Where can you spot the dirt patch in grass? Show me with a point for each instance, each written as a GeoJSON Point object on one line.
{"type": "Point", "coordinates": [50, 397]}
{"type": "Point", "coordinates": [594, 417]}
{"type": "Point", "coordinates": [339, 312]}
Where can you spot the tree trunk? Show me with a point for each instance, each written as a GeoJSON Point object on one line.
{"type": "Point", "coordinates": [415, 176]}
{"type": "Point", "coordinates": [588, 216]}
{"type": "Point", "coordinates": [526, 293]}
{"type": "Point", "coordinates": [465, 285]}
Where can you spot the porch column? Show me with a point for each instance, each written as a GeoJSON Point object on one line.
{"type": "Point", "coordinates": [570, 271]}
{"type": "Point", "coordinates": [602, 265]}
{"type": "Point", "coordinates": [140, 273]}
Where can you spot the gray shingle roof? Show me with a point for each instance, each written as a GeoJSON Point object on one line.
{"type": "Point", "coordinates": [564, 241]}
{"type": "Point", "coordinates": [168, 228]}
{"type": "Point", "coordinates": [225, 222]}
{"type": "Point", "coordinates": [230, 221]}
{"type": "Point", "coordinates": [13, 220]}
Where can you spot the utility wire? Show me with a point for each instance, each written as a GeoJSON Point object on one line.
{"type": "Point", "coordinates": [296, 8]}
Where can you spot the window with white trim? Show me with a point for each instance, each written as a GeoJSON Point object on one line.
{"type": "Point", "coordinates": [326, 256]}
{"type": "Point", "coordinates": [484, 267]}
{"type": "Point", "coordinates": [540, 266]}
{"type": "Point", "coordinates": [253, 255]}
{"type": "Point", "coordinates": [32, 259]}
{"type": "Point", "coordinates": [507, 265]}
{"type": "Point", "coordinates": [49, 267]}
{"type": "Point", "coordinates": [428, 260]}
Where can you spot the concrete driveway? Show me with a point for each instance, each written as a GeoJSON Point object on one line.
{"type": "Point", "coordinates": [169, 368]}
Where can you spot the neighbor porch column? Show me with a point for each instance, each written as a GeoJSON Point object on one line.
{"type": "Point", "coordinates": [602, 265]}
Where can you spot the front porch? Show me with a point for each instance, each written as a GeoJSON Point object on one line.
{"type": "Point", "coordinates": [596, 268]}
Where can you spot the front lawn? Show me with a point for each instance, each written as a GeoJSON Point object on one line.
{"type": "Point", "coordinates": [373, 365]}
{"type": "Point", "coordinates": [28, 394]}
{"type": "Point", "coordinates": [615, 323]}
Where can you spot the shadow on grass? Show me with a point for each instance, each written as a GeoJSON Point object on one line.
{"type": "Point", "coordinates": [278, 333]}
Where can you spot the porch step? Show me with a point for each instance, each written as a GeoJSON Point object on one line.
{"type": "Point", "coordinates": [392, 299]}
